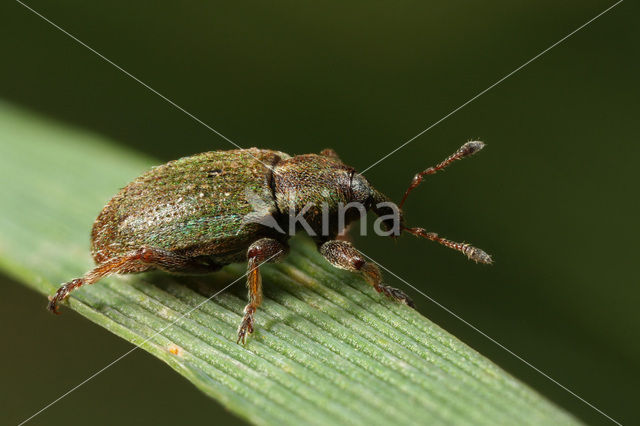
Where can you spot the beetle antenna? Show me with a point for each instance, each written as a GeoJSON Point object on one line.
{"type": "Point", "coordinates": [465, 150]}
{"type": "Point", "coordinates": [468, 250]}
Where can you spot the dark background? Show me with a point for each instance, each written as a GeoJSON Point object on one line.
{"type": "Point", "coordinates": [553, 196]}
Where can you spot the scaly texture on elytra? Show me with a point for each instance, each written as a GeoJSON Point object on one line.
{"type": "Point", "coordinates": [193, 205]}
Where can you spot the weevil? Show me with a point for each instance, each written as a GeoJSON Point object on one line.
{"type": "Point", "coordinates": [190, 216]}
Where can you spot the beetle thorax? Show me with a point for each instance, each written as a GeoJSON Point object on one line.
{"type": "Point", "coordinates": [312, 189]}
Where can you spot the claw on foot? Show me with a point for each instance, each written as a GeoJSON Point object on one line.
{"type": "Point", "coordinates": [52, 306]}
{"type": "Point", "coordinates": [62, 294]}
{"type": "Point", "coordinates": [394, 293]}
{"type": "Point", "coordinates": [246, 326]}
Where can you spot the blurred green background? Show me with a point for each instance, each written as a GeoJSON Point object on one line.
{"type": "Point", "coordinates": [553, 197]}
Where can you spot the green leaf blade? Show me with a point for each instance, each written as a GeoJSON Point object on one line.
{"type": "Point", "coordinates": [327, 349]}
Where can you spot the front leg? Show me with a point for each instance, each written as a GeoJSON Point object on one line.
{"type": "Point", "coordinates": [261, 251]}
{"type": "Point", "coordinates": [343, 255]}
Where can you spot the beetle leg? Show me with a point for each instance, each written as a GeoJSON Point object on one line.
{"type": "Point", "coordinates": [135, 261]}
{"type": "Point", "coordinates": [261, 251]}
{"type": "Point", "coordinates": [343, 255]}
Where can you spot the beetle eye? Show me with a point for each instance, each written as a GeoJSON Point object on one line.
{"type": "Point", "coordinates": [360, 188]}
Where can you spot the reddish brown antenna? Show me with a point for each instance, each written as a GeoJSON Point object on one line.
{"type": "Point", "coordinates": [465, 150]}
{"type": "Point", "coordinates": [473, 253]}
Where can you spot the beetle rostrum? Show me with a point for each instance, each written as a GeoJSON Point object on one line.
{"type": "Point", "coordinates": [199, 213]}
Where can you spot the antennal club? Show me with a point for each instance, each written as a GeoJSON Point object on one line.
{"type": "Point", "coordinates": [473, 253]}
{"type": "Point", "coordinates": [465, 150]}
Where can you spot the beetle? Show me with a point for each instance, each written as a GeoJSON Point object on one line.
{"type": "Point", "coordinates": [190, 216]}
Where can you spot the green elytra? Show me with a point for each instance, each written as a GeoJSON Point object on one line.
{"type": "Point", "coordinates": [194, 205]}
{"type": "Point", "coordinates": [199, 213]}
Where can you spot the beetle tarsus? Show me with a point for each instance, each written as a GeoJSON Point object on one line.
{"type": "Point", "coordinates": [62, 293]}
{"type": "Point", "coordinates": [395, 294]}
{"type": "Point", "coordinates": [52, 306]}
{"type": "Point", "coordinates": [246, 326]}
